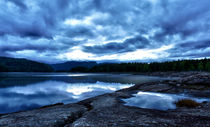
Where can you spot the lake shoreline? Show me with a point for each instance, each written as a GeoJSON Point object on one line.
{"type": "Point", "coordinates": [109, 110]}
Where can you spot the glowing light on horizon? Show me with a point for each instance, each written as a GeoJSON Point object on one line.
{"type": "Point", "coordinates": [140, 54]}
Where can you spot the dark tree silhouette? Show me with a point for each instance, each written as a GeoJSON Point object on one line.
{"type": "Point", "coordinates": [22, 65]}
{"type": "Point", "coordinates": [180, 65]}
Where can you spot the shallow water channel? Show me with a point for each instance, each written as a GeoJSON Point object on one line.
{"type": "Point", "coordinates": [159, 101]}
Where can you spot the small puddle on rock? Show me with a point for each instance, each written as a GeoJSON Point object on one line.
{"type": "Point", "coordinates": [159, 101]}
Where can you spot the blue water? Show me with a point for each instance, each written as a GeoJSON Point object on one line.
{"type": "Point", "coordinates": [159, 101]}
{"type": "Point", "coordinates": [24, 91]}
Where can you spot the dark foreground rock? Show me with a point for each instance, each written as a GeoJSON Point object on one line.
{"type": "Point", "coordinates": [45, 117]}
{"type": "Point", "coordinates": [108, 110]}
{"type": "Point", "coordinates": [122, 116]}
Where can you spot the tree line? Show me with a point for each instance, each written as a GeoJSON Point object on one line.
{"type": "Point", "coordinates": [180, 65]}
{"type": "Point", "coordinates": [23, 65]}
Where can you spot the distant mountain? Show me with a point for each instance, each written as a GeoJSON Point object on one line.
{"type": "Point", "coordinates": [67, 66]}
{"type": "Point", "coordinates": [22, 65]}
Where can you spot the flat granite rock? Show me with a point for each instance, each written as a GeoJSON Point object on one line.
{"type": "Point", "coordinates": [46, 117]}
{"type": "Point", "coordinates": [107, 111]}
{"type": "Point", "coordinates": [124, 116]}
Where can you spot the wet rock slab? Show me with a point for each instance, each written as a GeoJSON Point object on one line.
{"type": "Point", "coordinates": [108, 111]}
{"type": "Point", "coordinates": [121, 116]}
{"type": "Point", "coordinates": [46, 117]}
{"type": "Point", "coordinates": [116, 114]}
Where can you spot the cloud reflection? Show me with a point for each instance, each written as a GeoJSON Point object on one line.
{"type": "Point", "coordinates": [158, 101]}
{"type": "Point", "coordinates": [48, 92]}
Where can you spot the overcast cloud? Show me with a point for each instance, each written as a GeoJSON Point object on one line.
{"type": "Point", "coordinates": [105, 30]}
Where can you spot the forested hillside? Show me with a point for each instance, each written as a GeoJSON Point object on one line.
{"type": "Point", "coordinates": [22, 65]}
{"type": "Point", "coordinates": [73, 64]}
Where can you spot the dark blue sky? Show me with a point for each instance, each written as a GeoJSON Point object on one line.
{"type": "Point", "coordinates": [105, 30]}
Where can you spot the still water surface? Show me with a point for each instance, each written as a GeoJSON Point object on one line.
{"type": "Point", "coordinates": [159, 101]}
{"type": "Point", "coordinates": [24, 91]}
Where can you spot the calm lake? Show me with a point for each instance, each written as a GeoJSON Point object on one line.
{"type": "Point", "coordinates": [25, 91]}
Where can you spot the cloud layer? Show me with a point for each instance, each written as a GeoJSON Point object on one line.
{"type": "Point", "coordinates": [59, 30]}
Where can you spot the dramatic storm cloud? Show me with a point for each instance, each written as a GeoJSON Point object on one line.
{"type": "Point", "coordinates": [118, 30]}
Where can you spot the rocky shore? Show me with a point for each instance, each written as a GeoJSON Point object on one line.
{"type": "Point", "coordinates": [108, 110]}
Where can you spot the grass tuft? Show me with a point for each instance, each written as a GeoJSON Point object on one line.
{"type": "Point", "coordinates": [187, 103]}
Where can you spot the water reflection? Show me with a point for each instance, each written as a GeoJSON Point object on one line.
{"type": "Point", "coordinates": [23, 91]}
{"type": "Point", "coordinates": [15, 78]}
{"type": "Point", "coordinates": [158, 101]}
{"type": "Point", "coordinates": [49, 92]}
